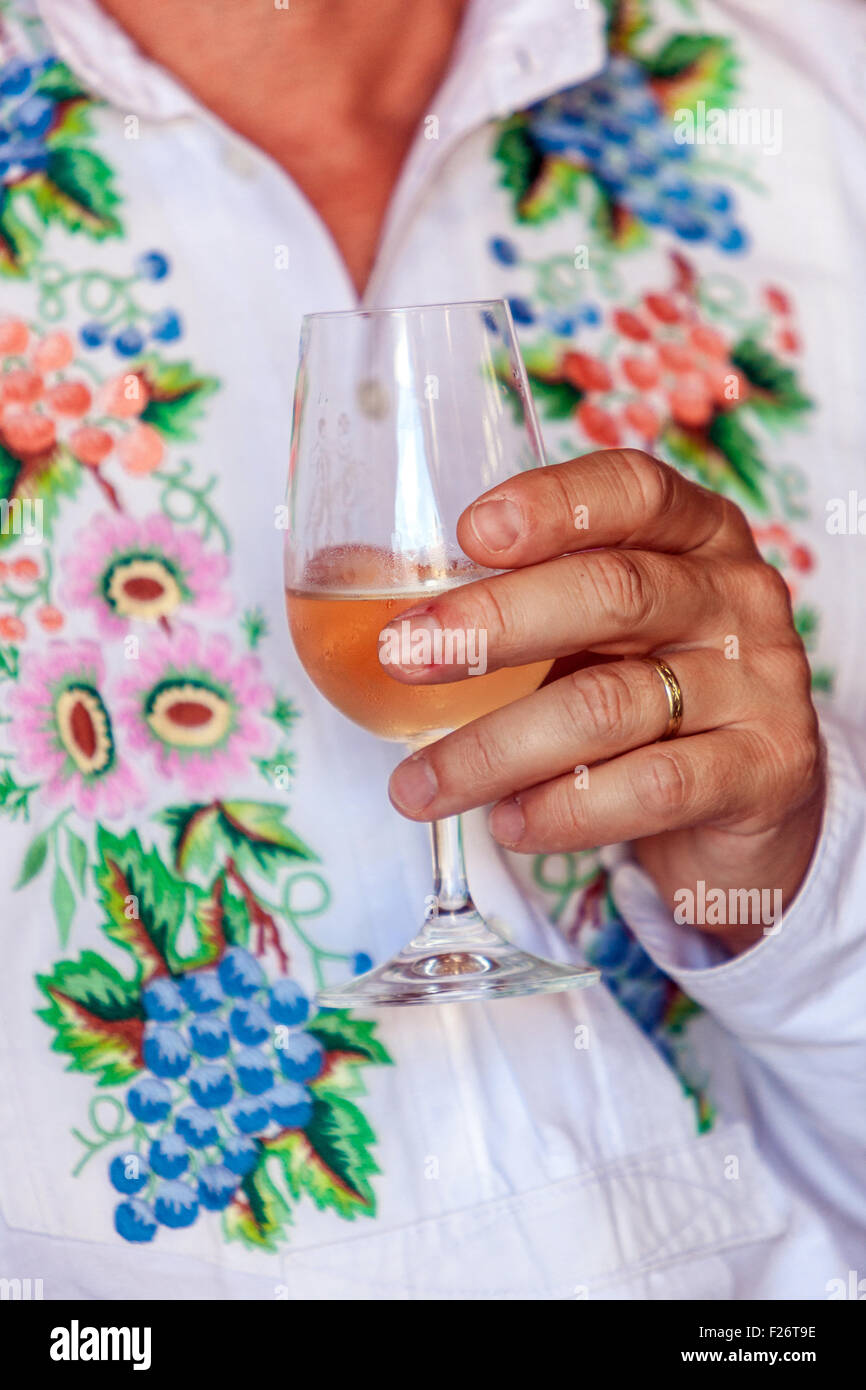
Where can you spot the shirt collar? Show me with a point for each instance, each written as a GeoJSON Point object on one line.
{"type": "Point", "coordinates": [509, 54]}
{"type": "Point", "coordinates": [110, 63]}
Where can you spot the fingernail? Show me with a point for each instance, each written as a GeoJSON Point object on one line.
{"type": "Point", "coordinates": [507, 822]}
{"type": "Point", "coordinates": [497, 523]}
{"type": "Point", "coordinates": [402, 642]}
{"type": "Point", "coordinates": [413, 784]}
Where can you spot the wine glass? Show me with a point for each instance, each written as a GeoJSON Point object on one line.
{"type": "Point", "coordinates": [402, 417]}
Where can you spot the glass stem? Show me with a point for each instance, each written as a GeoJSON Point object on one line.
{"type": "Point", "coordinates": [449, 867]}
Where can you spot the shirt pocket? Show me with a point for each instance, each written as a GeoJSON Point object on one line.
{"type": "Point", "coordinates": [655, 1225]}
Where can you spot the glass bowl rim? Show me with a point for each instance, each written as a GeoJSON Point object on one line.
{"type": "Point", "coordinates": [362, 312]}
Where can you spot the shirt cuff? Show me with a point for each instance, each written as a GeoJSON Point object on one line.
{"type": "Point", "coordinates": [802, 956]}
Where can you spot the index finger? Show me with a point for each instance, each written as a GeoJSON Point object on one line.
{"type": "Point", "coordinates": [613, 497]}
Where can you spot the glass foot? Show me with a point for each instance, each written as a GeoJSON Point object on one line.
{"type": "Point", "coordinates": [454, 961]}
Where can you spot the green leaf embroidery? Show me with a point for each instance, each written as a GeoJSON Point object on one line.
{"type": "Point", "coordinates": [626, 20]}
{"type": "Point", "coordinates": [72, 123]}
{"type": "Point", "coordinates": [620, 228]}
{"type": "Point", "coordinates": [34, 859]}
{"type": "Point", "coordinates": [77, 851]}
{"type": "Point", "coordinates": [176, 396]}
{"type": "Point", "coordinates": [14, 799]}
{"type": "Point", "coordinates": [679, 1011]}
{"type": "Point", "coordinates": [724, 456]}
{"type": "Point", "coordinates": [541, 185]}
{"type": "Point", "coordinates": [255, 626]}
{"type": "Point", "coordinates": [193, 835]}
{"type": "Point", "coordinates": [76, 189]}
{"type": "Point", "coordinates": [555, 188]}
{"type": "Point", "coordinates": [520, 159]}
{"type": "Point", "coordinates": [60, 84]}
{"type": "Point", "coordinates": [144, 905]}
{"type": "Point", "coordinates": [284, 712]}
{"type": "Point", "coordinates": [73, 105]}
{"type": "Point", "coordinates": [97, 1016]}
{"type": "Point", "coordinates": [349, 1045]}
{"type": "Point", "coordinates": [255, 829]}
{"type": "Point", "coordinates": [694, 67]}
{"type": "Point", "coordinates": [258, 1213]}
{"type": "Point", "coordinates": [9, 667]}
{"type": "Point", "coordinates": [63, 902]}
{"type": "Point", "coordinates": [279, 768]}
{"type": "Point", "coordinates": [10, 467]}
{"type": "Point", "coordinates": [729, 435]}
{"type": "Point", "coordinates": [251, 832]}
{"type": "Point", "coordinates": [18, 243]}
{"type": "Point", "coordinates": [221, 920]}
{"type": "Point", "coordinates": [330, 1158]}
{"type": "Point", "coordinates": [775, 396]}
{"type": "Point", "coordinates": [45, 480]}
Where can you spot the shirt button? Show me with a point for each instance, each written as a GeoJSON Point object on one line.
{"type": "Point", "coordinates": [239, 160]}
{"type": "Point", "coordinates": [524, 60]}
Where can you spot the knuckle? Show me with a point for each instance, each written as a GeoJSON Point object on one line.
{"type": "Point", "coordinates": [733, 521]}
{"type": "Point", "coordinates": [652, 482]}
{"type": "Point", "coordinates": [784, 676]}
{"type": "Point", "coordinates": [599, 701]}
{"type": "Point", "coordinates": [770, 594]}
{"type": "Point", "coordinates": [621, 588]}
{"type": "Point", "coordinates": [662, 785]}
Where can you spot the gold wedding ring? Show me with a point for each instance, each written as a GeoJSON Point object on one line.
{"type": "Point", "coordinates": [674, 692]}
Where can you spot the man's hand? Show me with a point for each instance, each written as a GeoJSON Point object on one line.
{"type": "Point", "coordinates": [615, 555]}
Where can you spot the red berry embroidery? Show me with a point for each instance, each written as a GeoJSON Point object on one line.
{"type": "Point", "coordinates": [598, 425]}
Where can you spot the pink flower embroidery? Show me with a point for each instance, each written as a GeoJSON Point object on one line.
{"type": "Point", "coordinates": [197, 707]}
{"type": "Point", "coordinates": [127, 569]}
{"type": "Point", "coordinates": [63, 732]}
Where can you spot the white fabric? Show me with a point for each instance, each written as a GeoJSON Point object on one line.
{"type": "Point", "coordinates": [561, 1172]}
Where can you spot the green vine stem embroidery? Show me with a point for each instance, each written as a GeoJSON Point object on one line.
{"type": "Point", "coordinates": [566, 880]}
{"type": "Point", "coordinates": [106, 1136]}
{"type": "Point", "coordinates": [109, 298]}
{"type": "Point", "coordinates": [266, 914]}
{"type": "Point", "coordinates": [187, 503]}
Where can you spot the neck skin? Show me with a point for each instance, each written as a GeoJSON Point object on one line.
{"type": "Point", "coordinates": [333, 90]}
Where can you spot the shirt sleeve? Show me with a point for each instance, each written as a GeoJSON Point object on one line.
{"type": "Point", "coordinates": [794, 1003]}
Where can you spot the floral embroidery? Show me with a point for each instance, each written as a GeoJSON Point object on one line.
{"type": "Point", "coordinates": [47, 170]}
{"type": "Point", "coordinates": [55, 428]}
{"type": "Point", "coordinates": [129, 570]}
{"type": "Point", "coordinates": [198, 708]}
{"type": "Point", "coordinates": [612, 139]}
{"type": "Point", "coordinates": [61, 730]}
{"type": "Point", "coordinates": [122, 321]}
{"type": "Point", "coordinates": [680, 371]}
{"type": "Point", "coordinates": [237, 1098]}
